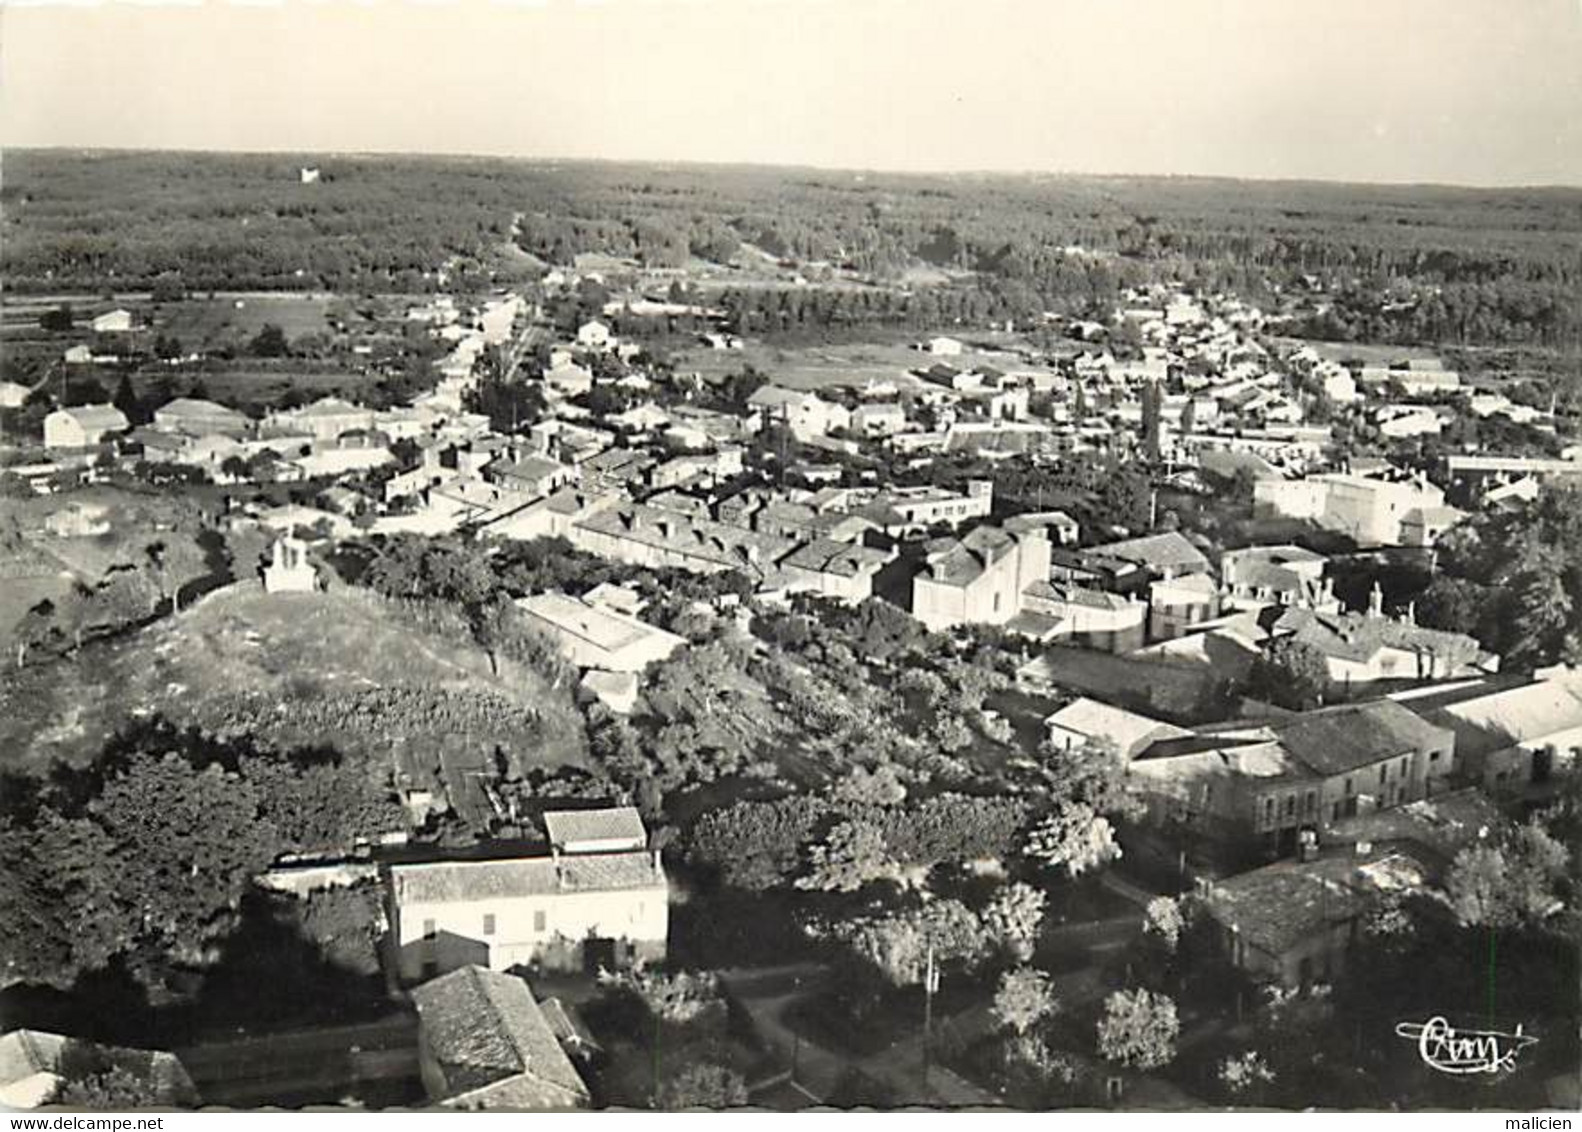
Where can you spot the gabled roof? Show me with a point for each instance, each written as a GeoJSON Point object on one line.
{"type": "Point", "coordinates": [1491, 717]}
{"type": "Point", "coordinates": [485, 1031]}
{"type": "Point", "coordinates": [768, 396]}
{"type": "Point", "coordinates": [957, 562]}
{"type": "Point", "coordinates": [96, 416]}
{"type": "Point", "coordinates": [1097, 720]}
{"type": "Point", "coordinates": [1276, 907]}
{"type": "Point", "coordinates": [1168, 550]}
{"type": "Point", "coordinates": [34, 1064]}
{"type": "Point", "coordinates": [529, 468]}
{"type": "Point", "coordinates": [613, 823]}
{"type": "Point", "coordinates": [825, 556]}
{"type": "Point", "coordinates": [447, 882]}
{"type": "Point", "coordinates": [1360, 637]}
{"type": "Point", "coordinates": [1338, 739]}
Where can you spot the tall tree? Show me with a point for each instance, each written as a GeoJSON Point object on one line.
{"type": "Point", "coordinates": [1139, 1029]}
{"type": "Point", "coordinates": [1023, 999]}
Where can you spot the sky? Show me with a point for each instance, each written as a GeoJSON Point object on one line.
{"type": "Point", "coordinates": [1483, 92]}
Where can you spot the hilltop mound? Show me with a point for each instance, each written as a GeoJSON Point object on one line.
{"type": "Point", "coordinates": [339, 670]}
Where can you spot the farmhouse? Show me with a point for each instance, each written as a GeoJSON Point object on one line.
{"type": "Point", "coordinates": [595, 636]}
{"type": "Point", "coordinates": [484, 1043]}
{"type": "Point", "coordinates": [805, 414]}
{"type": "Point", "coordinates": [328, 418]}
{"type": "Point", "coordinates": [1366, 648]}
{"type": "Point", "coordinates": [840, 570]}
{"type": "Point", "coordinates": [568, 910]}
{"type": "Point", "coordinates": [1258, 785]}
{"type": "Point", "coordinates": [192, 417]}
{"type": "Point", "coordinates": [83, 426]}
{"type": "Point", "coordinates": [117, 321]}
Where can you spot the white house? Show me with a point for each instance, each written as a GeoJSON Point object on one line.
{"type": "Point", "coordinates": [117, 321]}
{"type": "Point", "coordinates": [83, 426]}
{"type": "Point", "coordinates": [805, 414]}
{"type": "Point", "coordinates": [12, 395]}
{"type": "Point", "coordinates": [326, 419]}
{"type": "Point", "coordinates": [566, 910]}
{"type": "Point", "coordinates": [943, 347]}
{"type": "Point", "coordinates": [1084, 721]}
{"type": "Point", "coordinates": [1370, 510]}
{"type": "Point", "coordinates": [594, 335]}
{"type": "Point", "coordinates": [592, 636]}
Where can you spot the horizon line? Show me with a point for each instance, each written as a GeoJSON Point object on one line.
{"type": "Point", "coordinates": [440, 155]}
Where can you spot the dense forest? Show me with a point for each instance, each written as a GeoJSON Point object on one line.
{"type": "Point", "coordinates": [1407, 263]}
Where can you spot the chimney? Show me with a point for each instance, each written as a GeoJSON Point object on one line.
{"type": "Point", "coordinates": [654, 856]}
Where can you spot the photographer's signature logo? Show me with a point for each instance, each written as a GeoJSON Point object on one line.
{"type": "Point", "coordinates": [1463, 1052]}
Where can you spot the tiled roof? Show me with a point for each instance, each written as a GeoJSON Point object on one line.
{"type": "Point", "coordinates": [957, 562]}
{"type": "Point", "coordinates": [484, 1028]}
{"type": "Point", "coordinates": [443, 882]}
{"type": "Point", "coordinates": [825, 556]}
{"type": "Point", "coordinates": [1167, 551]}
{"type": "Point", "coordinates": [96, 416]}
{"type": "Point", "coordinates": [1338, 739]}
{"type": "Point", "coordinates": [773, 395]}
{"type": "Point", "coordinates": [1279, 905]}
{"type": "Point", "coordinates": [721, 543]}
{"type": "Point", "coordinates": [1098, 720]}
{"type": "Point", "coordinates": [1487, 718]}
{"type": "Point", "coordinates": [614, 823]}
{"type": "Point", "coordinates": [528, 468]}
{"type": "Point", "coordinates": [1359, 636]}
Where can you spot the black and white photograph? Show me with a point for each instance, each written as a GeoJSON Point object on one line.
{"type": "Point", "coordinates": [626, 556]}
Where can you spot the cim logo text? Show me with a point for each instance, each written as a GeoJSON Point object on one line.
{"type": "Point", "coordinates": [1464, 1052]}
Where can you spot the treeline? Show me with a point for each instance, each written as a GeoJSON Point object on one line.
{"type": "Point", "coordinates": [144, 858]}
{"type": "Point", "coordinates": [1503, 264]}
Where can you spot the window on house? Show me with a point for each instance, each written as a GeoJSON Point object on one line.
{"type": "Point", "coordinates": [1384, 774]}
{"type": "Point", "coordinates": [1348, 787]}
{"type": "Point", "coordinates": [540, 921]}
{"type": "Point", "coordinates": [1310, 803]}
{"type": "Point", "coordinates": [1290, 805]}
{"type": "Point", "coordinates": [1268, 811]}
{"type": "Point", "coordinates": [1433, 756]}
{"type": "Point", "coordinates": [488, 923]}
{"type": "Point", "coordinates": [429, 929]}
{"type": "Point", "coordinates": [1334, 811]}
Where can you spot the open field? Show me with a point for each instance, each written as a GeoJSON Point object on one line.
{"type": "Point", "coordinates": [285, 666]}
{"type": "Point", "coordinates": [197, 321]}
